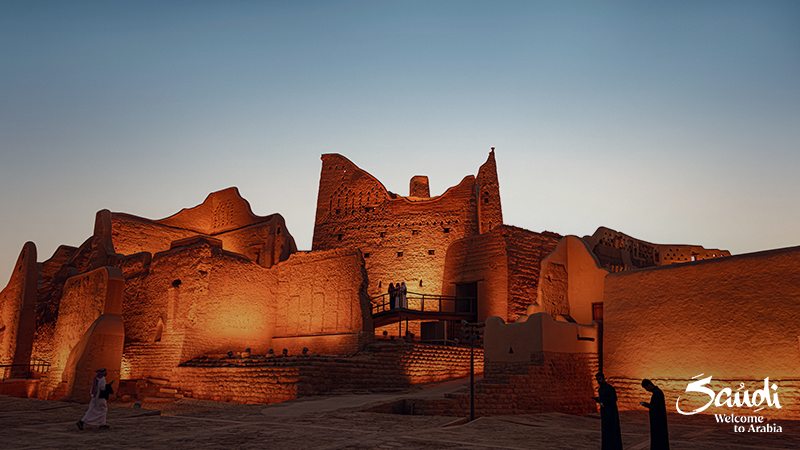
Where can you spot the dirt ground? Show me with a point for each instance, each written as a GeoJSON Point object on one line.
{"type": "Point", "coordinates": [319, 424]}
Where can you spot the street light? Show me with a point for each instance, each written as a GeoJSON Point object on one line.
{"type": "Point", "coordinates": [471, 331]}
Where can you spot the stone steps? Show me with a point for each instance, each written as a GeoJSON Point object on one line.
{"type": "Point", "coordinates": [381, 367]}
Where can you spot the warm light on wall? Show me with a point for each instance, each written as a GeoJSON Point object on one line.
{"type": "Point", "coordinates": [125, 370]}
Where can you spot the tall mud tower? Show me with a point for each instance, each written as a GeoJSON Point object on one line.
{"type": "Point", "coordinates": [490, 212]}
{"type": "Point", "coordinates": [402, 238]}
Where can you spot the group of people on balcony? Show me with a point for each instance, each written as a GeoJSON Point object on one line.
{"type": "Point", "coordinates": [398, 295]}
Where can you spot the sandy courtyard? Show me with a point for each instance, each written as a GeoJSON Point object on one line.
{"type": "Point", "coordinates": [337, 423]}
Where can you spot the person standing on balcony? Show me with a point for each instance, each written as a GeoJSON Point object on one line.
{"type": "Point", "coordinates": [403, 292]}
{"type": "Point", "coordinates": [392, 295]}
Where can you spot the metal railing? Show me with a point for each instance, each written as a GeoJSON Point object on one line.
{"type": "Point", "coordinates": [35, 368]}
{"type": "Point", "coordinates": [415, 301]}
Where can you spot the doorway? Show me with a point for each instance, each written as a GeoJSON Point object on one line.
{"type": "Point", "coordinates": [467, 297]}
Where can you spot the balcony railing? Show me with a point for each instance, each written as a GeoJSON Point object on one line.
{"type": "Point", "coordinates": [424, 303]}
{"type": "Point", "coordinates": [34, 369]}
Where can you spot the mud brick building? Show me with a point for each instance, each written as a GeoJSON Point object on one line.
{"type": "Point", "coordinates": [175, 304]}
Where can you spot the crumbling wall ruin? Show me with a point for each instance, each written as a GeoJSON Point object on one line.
{"type": "Point", "coordinates": [322, 302]}
{"type": "Point", "coordinates": [86, 298]}
{"type": "Point", "coordinates": [209, 279]}
{"type": "Point", "coordinates": [18, 311]}
{"type": "Point", "coordinates": [401, 238]}
{"type": "Point", "coordinates": [224, 215]}
{"type": "Point", "coordinates": [199, 299]}
{"type": "Point", "coordinates": [505, 264]}
{"type": "Point", "coordinates": [571, 282]}
{"type": "Point", "coordinates": [618, 252]}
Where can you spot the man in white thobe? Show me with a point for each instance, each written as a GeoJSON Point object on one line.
{"type": "Point", "coordinates": [98, 406]}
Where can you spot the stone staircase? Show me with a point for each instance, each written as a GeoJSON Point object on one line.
{"type": "Point", "coordinates": [381, 367]}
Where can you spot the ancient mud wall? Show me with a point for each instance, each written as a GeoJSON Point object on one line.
{"type": "Point", "coordinates": [94, 253]}
{"type": "Point", "coordinates": [18, 311]}
{"type": "Point", "coordinates": [195, 299]}
{"type": "Point", "coordinates": [382, 366]}
{"type": "Point", "coordinates": [536, 365]}
{"type": "Point", "coordinates": [735, 318]}
{"type": "Point", "coordinates": [224, 215]}
{"type": "Point", "coordinates": [231, 307]}
{"type": "Point", "coordinates": [518, 341]}
{"type": "Point", "coordinates": [571, 281]}
{"type": "Point", "coordinates": [100, 346]}
{"type": "Point", "coordinates": [86, 297]}
{"type": "Point", "coordinates": [481, 259]}
{"type": "Point", "coordinates": [198, 299]}
{"type": "Point", "coordinates": [133, 234]}
{"type": "Point", "coordinates": [265, 243]}
{"type": "Point", "coordinates": [504, 263]}
{"type": "Point", "coordinates": [526, 250]}
{"type": "Point", "coordinates": [255, 385]}
{"type": "Point", "coordinates": [490, 211]}
{"type": "Point", "coordinates": [549, 382]}
{"type": "Point", "coordinates": [322, 303]}
{"type": "Point", "coordinates": [388, 365]}
{"type": "Point", "coordinates": [402, 238]}
{"type": "Point", "coordinates": [533, 366]}
{"type": "Point", "coordinates": [53, 274]}
{"type": "Point", "coordinates": [221, 211]}
{"type": "Point", "coordinates": [617, 251]}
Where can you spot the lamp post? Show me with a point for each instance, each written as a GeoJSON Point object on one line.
{"type": "Point", "coordinates": [471, 331]}
{"type": "Point", "coordinates": [472, 377]}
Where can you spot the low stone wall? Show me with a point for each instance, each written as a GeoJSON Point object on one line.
{"type": "Point", "coordinates": [271, 380]}
{"type": "Point", "coordinates": [23, 388]}
{"type": "Point", "coordinates": [142, 360]}
{"type": "Point", "coordinates": [388, 366]}
{"type": "Point", "coordinates": [434, 363]}
{"type": "Point", "coordinates": [550, 382]}
{"type": "Point", "coordinates": [239, 384]}
{"type": "Point", "coordinates": [327, 344]}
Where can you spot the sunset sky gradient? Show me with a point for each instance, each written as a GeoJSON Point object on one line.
{"type": "Point", "coordinates": [674, 122]}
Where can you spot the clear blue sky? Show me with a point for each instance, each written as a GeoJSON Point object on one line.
{"type": "Point", "coordinates": [675, 122]}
